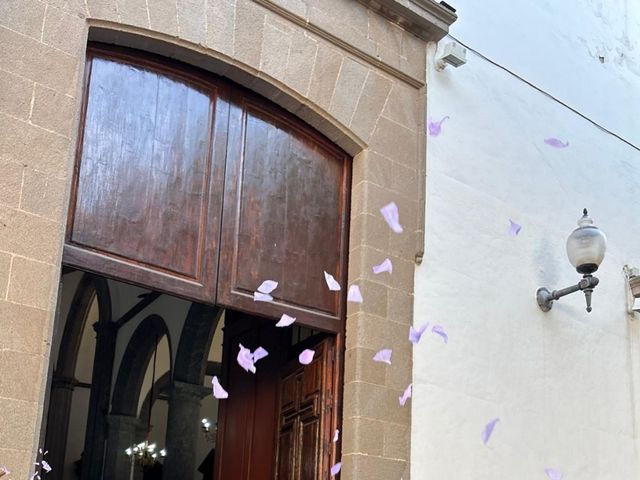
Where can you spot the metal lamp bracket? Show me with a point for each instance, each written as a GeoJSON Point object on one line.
{"type": "Point", "coordinates": [545, 298]}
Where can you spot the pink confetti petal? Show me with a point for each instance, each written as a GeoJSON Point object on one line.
{"type": "Point", "coordinates": [488, 430]}
{"type": "Point", "coordinates": [553, 474]}
{"type": "Point", "coordinates": [218, 392]}
{"type": "Point", "coordinates": [416, 334]}
{"type": "Point", "coordinates": [383, 356]}
{"type": "Point", "coordinates": [306, 356]}
{"type": "Point", "coordinates": [336, 436]}
{"type": "Point", "coordinates": [406, 395]}
{"type": "Point", "coordinates": [556, 143]}
{"type": "Point", "coordinates": [268, 286]}
{"type": "Point", "coordinates": [262, 297]}
{"type": "Point", "coordinates": [436, 127]}
{"type": "Point", "coordinates": [391, 216]}
{"type": "Point", "coordinates": [514, 228]}
{"type": "Point", "coordinates": [331, 282]}
{"type": "Point", "coordinates": [385, 266]}
{"type": "Point", "coordinates": [437, 329]}
{"type": "Point", "coordinates": [4, 471]}
{"type": "Point", "coordinates": [245, 359]}
{"type": "Point", "coordinates": [45, 466]}
{"type": "Point", "coordinates": [336, 469]}
{"type": "Point", "coordinates": [259, 353]}
{"type": "Point", "coordinates": [285, 320]}
{"type": "Point", "coordinates": [354, 294]}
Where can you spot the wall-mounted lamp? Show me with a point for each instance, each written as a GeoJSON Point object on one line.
{"type": "Point", "coordinates": [585, 248]}
{"type": "Point", "coordinates": [633, 282]}
{"type": "Point", "coordinates": [453, 54]}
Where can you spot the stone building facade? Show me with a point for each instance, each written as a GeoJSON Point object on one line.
{"type": "Point", "coordinates": [353, 70]}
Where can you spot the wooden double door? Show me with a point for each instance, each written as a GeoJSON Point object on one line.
{"type": "Point", "coordinates": [188, 184]}
{"type": "Point", "coordinates": [280, 422]}
{"type": "Point", "coordinates": [191, 185]}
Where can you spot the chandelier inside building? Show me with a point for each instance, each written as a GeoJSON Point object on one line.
{"type": "Point", "coordinates": [146, 454]}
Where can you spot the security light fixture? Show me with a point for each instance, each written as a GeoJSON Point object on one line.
{"type": "Point", "coordinates": [585, 248]}
{"type": "Point", "coordinates": [453, 54]}
{"type": "Point", "coordinates": [633, 283]}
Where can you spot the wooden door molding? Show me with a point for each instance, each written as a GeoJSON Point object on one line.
{"type": "Point", "coordinates": [147, 190]}
{"type": "Point", "coordinates": [285, 218]}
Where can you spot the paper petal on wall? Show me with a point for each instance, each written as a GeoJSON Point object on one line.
{"type": "Point", "coordinates": [218, 392]}
{"type": "Point", "coordinates": [514, 228]}
{"type": "Point", "coordinates": [262, 297]}
{"type": "Point", "coordinates": [437, 329]}
{"type": "Point", "coordinates": [245, 359]}
{"type": "Point", "coordinates": [383, 356]}
{"type": "Point", "coordinates": [4, 471]}
{"type": "Point", "coordinates": [268, 286]}
{"type": "Point", "coordinates": [285, 320]}
{"type": "Point", "coordinates": [553, 474]}
{"type": "Point", "coordinates": [554, 142]}
{"type": "Point", "coordinates": [259, 353]}
{"type": "Point", "coordinates": [336, 436]}
{"type": "Point", "coordinates": [436, 127]}
{"type": "Point", "coordinates": [331, 282]}
{"type": "Point", "coordinates": [385, 266]}
{"type": "Point", "coordinates": [488, 430]}
{"type": "Point", "coordinates": [336, 469]}
{"type": "Point", "coordinates": [392, 217]}
{"type": "Point", "coordinates": [406, 395]}
{"type": "Point", "coordinates": [45, 466]}
{"type": "Point", "coordinates": [306, 356]}
{"type": "Point", "coordinates": [354, 294]}
{"type": "Point", "coordinates": [415, 334]}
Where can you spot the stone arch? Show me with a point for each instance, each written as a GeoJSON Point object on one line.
{"type": "Point", "coordinates": [90, 288]}
{"type": "Point", "coordinates": [195, 342]}
{"type": "Point", "coordinates": [134, 363]}
{"type": "Point", "coordinates": [242, 73]}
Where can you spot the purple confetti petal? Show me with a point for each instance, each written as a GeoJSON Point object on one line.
{"type": "Point", "coordinates": [45, 466]}
{"type": "Point", "coordinates": [268, 286]}
{"type": "Point", "coordinates": [354, 294]}
{"type": "Point", "coordinates": [336, 436]}
{"type": "Point", "coordinates": [436, 127]}
{"type": "Point", "coordinates": [488, 430]}
{"type": "Point", "coordinates": [245, 359]}
{"type": "Point", "coordinates": [553, 474]}
{"type": "Point", "coordinates": [437, 329]}
{"type": "Point", "coordinates": [285, 320]}
{"type": "Point", "coordinates": [218, 392]}
{"type": "Point", "coordinates": [392, 217]}
{"type": "Point", "coordinates": [331, 282]}
{"type": "Point", "coordinates": [514, 228]}
{"type": "Point", "coordinates": [4, 471]}
{"type": "Point", "coordinates": [336, 469]}
{"type": "Point", "coordinates": [385, 266]}
{"type": "Point", "coordinates": [306, 356]}
{"type": "Point", "coordinates": [383, 356]}
{"type": "Point", "coordinates": [259, 353]}
{"type": "Point", "coordinates": [555, 143]}
{"type": "Point", "coordinates": [416, 334]}
{"type": "Point", "coordinates": [262, 297]}
{"type": "Point", "coordinates": [406, 395]}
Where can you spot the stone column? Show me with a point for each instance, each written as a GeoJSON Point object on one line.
{"type": "Point", "coordinates": [96, 432]}
{"type": "Point", "coordinates": [123, 432]}
{"type": "Point", "coordinates": [183, 428]}
{"type": "Point", "coordinates": [58, 422]}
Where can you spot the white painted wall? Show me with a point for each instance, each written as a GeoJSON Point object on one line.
{"type": "Point", "coordinates": [565, 383]}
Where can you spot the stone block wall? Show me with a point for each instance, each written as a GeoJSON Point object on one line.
{"type": "Point", "coordinates": [351, 73]}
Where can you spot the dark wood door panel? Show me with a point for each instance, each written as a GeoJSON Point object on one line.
{"type": "Point", "coordinates": [304, 445]}
{"type": "Point", "coordinates": [149, 179]}
{"type": "Point", "coordinates": [285, 216]}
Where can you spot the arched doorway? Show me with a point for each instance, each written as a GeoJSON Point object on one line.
{"type": "Point", "coordinates": [190, 186]}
